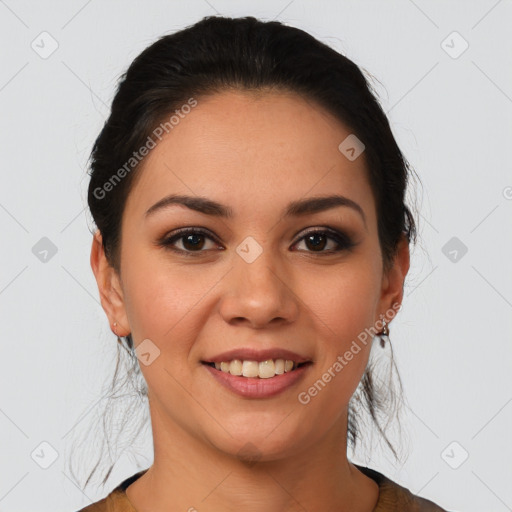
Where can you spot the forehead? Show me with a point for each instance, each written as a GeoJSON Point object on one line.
{"type": "Point", "coordinates": [252, 150]}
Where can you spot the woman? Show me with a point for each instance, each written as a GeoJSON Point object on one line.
{"type": "Point", "coordinates": [252, 242]}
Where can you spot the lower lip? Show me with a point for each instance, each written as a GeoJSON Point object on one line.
{"type": "Point", "coordinates": [254, 387]}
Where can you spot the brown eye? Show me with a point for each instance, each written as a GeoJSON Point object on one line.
{"type": "Point", "coordinates": [318, 240]}
{"type": "Point", "coordinates": [192, 241]}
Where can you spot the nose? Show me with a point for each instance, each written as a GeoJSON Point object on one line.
{"type": "Point", "coordinates": [258, 294]}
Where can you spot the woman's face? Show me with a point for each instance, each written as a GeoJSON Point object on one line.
{"type": "Point", "coordinates": [257, 279]}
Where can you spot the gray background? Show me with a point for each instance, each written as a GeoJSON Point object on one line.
{"type": "Point", "coordinates": [451, 113]}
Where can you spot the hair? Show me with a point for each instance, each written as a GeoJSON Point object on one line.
{"type": "Point", "coordinates": [219, 54]}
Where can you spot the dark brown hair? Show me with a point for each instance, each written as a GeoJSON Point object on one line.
{"type": "Point", "coordinates": [220, 53]}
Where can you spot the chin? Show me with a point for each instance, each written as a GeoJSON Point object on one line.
{"type": "Point", "coordinates": [254, 446]}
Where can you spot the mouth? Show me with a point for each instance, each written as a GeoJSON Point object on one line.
{"type": "Point", "coordinates": [262, 379]}
{"type": "Point", "coordinates": [267, 369]}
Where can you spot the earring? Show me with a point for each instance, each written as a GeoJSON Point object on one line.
{"type": "Point", "coordinates": [384, 335]}
{"type": "Point", "coordinates": [114, 330]}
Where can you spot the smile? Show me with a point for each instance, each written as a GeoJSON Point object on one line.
{"type": "Point", "coordinates": [253, 385]}
{"type": "Point", "coordinates": [254, 369]}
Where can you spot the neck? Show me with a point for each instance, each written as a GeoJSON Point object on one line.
{"type": "Point", "coordinates": [191, 474]}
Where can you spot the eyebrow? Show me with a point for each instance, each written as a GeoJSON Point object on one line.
{"type": "Point", "coordinates": [294, 209]}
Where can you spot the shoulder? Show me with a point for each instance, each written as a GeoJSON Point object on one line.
{"type": "Point", "coordinates": [116, 501]}
{"type": "Point", "coordinates": [393, 496]}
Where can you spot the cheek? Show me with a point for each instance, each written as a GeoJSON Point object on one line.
{"type": "Point", "coordinates": [163, 302]}
{"type": "Point", "coordinates": [342, 308]}
{"type": "Point", "coordinates": [165, 307]}
{"type": "Point", "coordinates": [343, 302]}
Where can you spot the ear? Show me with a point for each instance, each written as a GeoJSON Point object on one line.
{"type": "Point", "coordinates": [109, 286]}
{"type": "Point", "coordinates": [392, 289]}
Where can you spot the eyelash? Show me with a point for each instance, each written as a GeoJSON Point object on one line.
{"type": "Point", "coordinates": [344, 241]}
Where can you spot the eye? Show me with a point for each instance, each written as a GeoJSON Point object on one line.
{"type": "Point", "coordinates": [317, 240]}
{"type": "Point", "coordinates": [191, 239]}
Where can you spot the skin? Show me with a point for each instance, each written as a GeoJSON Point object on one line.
{"type": "Point", "coordinates": [254, 153]}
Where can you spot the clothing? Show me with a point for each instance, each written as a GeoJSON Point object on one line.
{"type": "Point", "coordinates": [392, 497]}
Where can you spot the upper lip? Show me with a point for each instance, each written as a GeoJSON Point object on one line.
{"type": "Point", "coordinates": [252, 354]}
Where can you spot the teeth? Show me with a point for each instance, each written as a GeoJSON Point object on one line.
{"type": "Point", "coordinates": [279, 366]}
{"type": "Point", "coordinates": [264, 370]}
